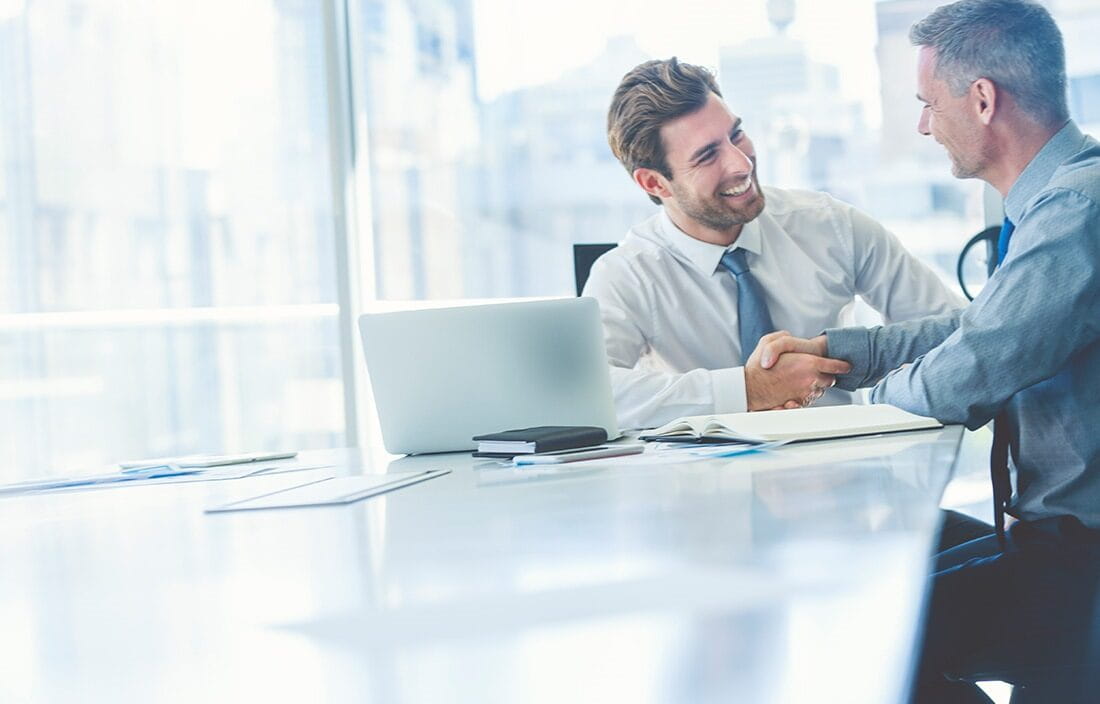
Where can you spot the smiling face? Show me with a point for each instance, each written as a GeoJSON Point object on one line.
{"type": "Point", "coordinates": [714, 189]}
{"type": "Point", "coordinates": [951, 120]}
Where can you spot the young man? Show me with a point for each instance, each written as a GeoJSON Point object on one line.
{"type": "Point", "coordinates": [687, 295]}
{"type": "Point", "coordinates": [1024, 606]}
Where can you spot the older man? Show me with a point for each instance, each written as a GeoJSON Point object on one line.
{"type": "Point", "coordinates": [1022, 606]}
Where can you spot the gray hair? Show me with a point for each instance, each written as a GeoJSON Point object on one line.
{"type": "Point", "coordinates": [1013, 43]}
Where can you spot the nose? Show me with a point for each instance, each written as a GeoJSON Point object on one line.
{"type": "Point", "coordinates": [737, 161]}
{"type": "Point", "coordinates": [922, 123]}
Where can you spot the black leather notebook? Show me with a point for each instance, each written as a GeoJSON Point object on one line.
{"type": "Point", "coordinates": [543, 438]}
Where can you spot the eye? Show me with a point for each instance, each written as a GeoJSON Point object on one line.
{"type": "Point", "coordinates": [737, 136]}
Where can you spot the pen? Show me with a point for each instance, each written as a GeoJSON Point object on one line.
{"type": "Point", "coordinates": [578, 455]}
{"type": "Point", "coordinates": [149, 468]}
{"type": "Point", "coordinates": [205, 461]}
{"type": "Point", "coordinates": [95, 480]}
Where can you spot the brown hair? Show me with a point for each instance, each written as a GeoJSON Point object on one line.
{"type": "Point", "coordinates": [649, 96]}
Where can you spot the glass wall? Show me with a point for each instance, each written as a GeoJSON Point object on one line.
{"type": "Point", "coordinates": [166, 244]}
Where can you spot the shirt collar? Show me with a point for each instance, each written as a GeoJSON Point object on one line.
{"type": "Point", "coordinates": [1065, 143]}
{"type": "Point", "coordinates": [704, 255]}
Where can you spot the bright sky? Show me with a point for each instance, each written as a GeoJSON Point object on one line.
{"type": "Point", "coordinates": [529, 43]}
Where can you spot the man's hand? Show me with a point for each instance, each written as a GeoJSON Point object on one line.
{"type": "Point", "coordinates": [775, 344]}
{"type": "Point", "coordinates": [794, 377]}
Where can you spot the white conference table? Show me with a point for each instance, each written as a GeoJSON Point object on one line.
{"type": "Point", "coordinates": [793, 576]}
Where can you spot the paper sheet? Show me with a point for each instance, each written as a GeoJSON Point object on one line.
{"type": "Point", "coordinates": [330, 491]}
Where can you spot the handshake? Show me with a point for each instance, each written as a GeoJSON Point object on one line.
{"type": "Point", "coordinates": [789, 372]}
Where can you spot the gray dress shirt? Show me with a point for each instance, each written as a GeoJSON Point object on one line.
{"type": "Point", "coordinates": [1028, 344]}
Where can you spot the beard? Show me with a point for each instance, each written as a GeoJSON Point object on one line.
{"type": "Point", "coordinates": [715, 211]}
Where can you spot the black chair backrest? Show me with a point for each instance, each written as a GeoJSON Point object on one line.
{"type": "Point", "coordinates": [584, 256]}
{"type": "Point", "coordinates": [987, 237]}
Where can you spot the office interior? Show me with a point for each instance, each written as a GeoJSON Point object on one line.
{"type": "Point", "coordinates": [199, 199]}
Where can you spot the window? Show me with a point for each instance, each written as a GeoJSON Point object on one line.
{"type": "Point", "coordinates": [486, 166]}
{"type": "Point", "coordinates": [165, 232]}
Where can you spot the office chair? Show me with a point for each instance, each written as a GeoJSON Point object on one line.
{"type": "Point", "coordinates": [1047, 685]}
{"type": "Point", "coordinates": [584, 256]}
{"type": "Point", "coordinates": [971, 258]}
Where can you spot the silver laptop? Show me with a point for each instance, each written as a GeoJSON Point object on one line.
{"type": "Point", "coordinates": [442, 376]}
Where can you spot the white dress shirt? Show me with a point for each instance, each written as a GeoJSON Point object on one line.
{"type": "Point", "coordinates": [669, 309]}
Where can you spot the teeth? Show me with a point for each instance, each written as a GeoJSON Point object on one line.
{"type": "Point", "coordinates": [739, 188]}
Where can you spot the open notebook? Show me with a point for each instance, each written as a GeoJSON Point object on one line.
{"type": "Point", "coordinates": [792, 425]}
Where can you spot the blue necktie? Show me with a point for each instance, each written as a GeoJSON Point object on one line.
{"type": "Point", "coordinates": [752, 309]}
{"type": "Point", "coordinates": [998, 456]}
{"type": "Point", "coordinates": [1002, 240]}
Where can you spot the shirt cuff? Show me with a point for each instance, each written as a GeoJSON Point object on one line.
{"type": "Point", "coordinates": [728, 387]}
{"type": "Point", "coordinates": [853, 345]}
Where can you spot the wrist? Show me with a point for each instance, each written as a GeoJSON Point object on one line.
{"type": "Point", "coordinates": [753, 392]}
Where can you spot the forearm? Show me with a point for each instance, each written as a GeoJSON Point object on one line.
{"type": "Point", "coordinates": [964, 380]}
{"type": "Point", "coordinates": [1004, 344]}
{"type": "Point", "coordinates": [874, 352]}
{"type": "Point", "coordinates": [1033, 317]}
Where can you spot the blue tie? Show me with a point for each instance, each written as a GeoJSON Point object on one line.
{"type": "Point", "coordinates": [752, 309]}
{"type": "Point", "coordinates": [1003, 238]}
{"type": "Point", "coordinates": [998, 455]}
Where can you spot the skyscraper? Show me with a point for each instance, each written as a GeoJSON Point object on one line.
{"type": "Point", "coordinates": [417, 78]}
{"type": "Point", "coordinates": [551, 178]}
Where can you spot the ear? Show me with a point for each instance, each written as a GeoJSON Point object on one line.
{"type": "Point", "coordinates": [652, 182]}
{"type": "Point", "coordinates": [983, 96]}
